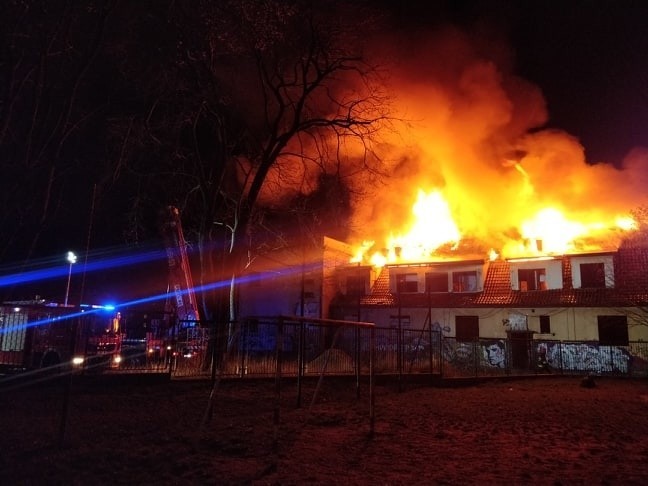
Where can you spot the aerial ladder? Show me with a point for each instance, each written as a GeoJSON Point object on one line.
{"type": "Point", "coordinates": [190, 339]}
{"type": "Point", "coordinates": [181, 285]}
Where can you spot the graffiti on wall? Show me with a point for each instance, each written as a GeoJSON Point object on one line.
{"type": "Point", "coordinates": [494, 354]}
{"type": "Point", "coordinates": [584, 357]}
{"type": "Point", "coordinates": [516, 322]}
{"type": "Point", "coordinates": [485, 354]}
{"type": "Point", "coordinates": [460, 354]}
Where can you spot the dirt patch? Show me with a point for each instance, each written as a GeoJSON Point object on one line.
{"type": "Point", "coordinates": [542, 431]}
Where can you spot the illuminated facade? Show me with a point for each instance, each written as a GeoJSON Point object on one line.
{"type": "Point", "coordinates": [598, 296]}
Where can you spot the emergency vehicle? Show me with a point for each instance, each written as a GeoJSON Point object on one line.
{"type": "Point", "coordinates": [39, 334]}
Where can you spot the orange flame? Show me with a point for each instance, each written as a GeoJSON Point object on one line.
{"type": "Point", "coordinates": [432, 225]}
{"type": "Point", "coordinates": [489, 173]}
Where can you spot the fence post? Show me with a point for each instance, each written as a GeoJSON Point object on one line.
{"type": "Point", "coordinates": [372, 346]}
{"type": "Point", "coordinates": [357, 360]}
{"type": "Point", "coordinates": [242, 348]}
{"type": "Point", "coordinates": [509, 355]}
{"type": "Point", "coordinates": [431, 352]}
{"type": "Point", "coordinates": [399, 352]}
{"type": "Point", "coordinates": [277, 409]}
{"type": "Point", "coordinates": [174, 344]}
{"type": "Point", "coordinates": [441, 338]}
{"type": "Point", "coordinates": [300, 360]}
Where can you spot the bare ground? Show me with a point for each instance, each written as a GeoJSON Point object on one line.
{"type": "Point", "coordinates": [548, 430]}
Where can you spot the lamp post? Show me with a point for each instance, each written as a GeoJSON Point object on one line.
{"type": "Point", "coordinates": [71, 258]}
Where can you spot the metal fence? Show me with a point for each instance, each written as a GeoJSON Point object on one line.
{"type": "Point", "coordinates": [252, 348]}
{"type": "Point", "coordinates": [309, 348]}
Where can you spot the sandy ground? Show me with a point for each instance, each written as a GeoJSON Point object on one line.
{"type": "Point", "coordinates": [548, 430]}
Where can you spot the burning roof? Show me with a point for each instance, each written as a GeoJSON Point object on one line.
{"type": "Point", "coordinates": [630, 289]}
{"type": "Point", "coordinates": [468, 163]}
{"type": "Point", "coordinates": [474, 162]}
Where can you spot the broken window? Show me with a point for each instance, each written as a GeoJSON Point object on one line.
{"type": "Point", "coordinates": [355, 286]}
{"type": "Point", "coordinates": [464, 281]}
{"type": "Point", "coordinates": [613, 330]}
{"type": "Point", "coordinates": [467, 328]}
{"type": "Point", "coordinates": [592, 275]}
{"type": "Point", "coordinates": [532, 279]}
{"type": "Point", "coordinates": [407, 283]}
{"type": "Point", "coordinates": [436, 282]}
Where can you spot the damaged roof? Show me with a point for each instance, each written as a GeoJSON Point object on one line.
{"type": "Point", "coordinates": [630, 288]}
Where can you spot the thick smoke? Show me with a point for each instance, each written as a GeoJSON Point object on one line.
{"type": "Point", "coordinates": [469, 127]}
{"type": "Point", "coordinates": [473, 130]}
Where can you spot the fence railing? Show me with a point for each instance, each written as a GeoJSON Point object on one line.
{"type": "Point", "coordinates": [249, 349]}
{"type": "Point", "coordinates": [314, 349]}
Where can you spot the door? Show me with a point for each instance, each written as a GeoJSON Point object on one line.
{"type": "Point", "coordinates": [520, 345]}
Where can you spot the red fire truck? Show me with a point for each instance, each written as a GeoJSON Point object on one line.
{"type": "Point", "coordinates": [190, 338]}
{"type": "Point", "coordinates": [38, 334]}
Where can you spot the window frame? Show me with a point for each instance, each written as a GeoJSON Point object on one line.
{"type": "Point", "coordinates": [407, 283]}
{"type": "Point", "coordinates": [594, 277]}
{"type": "Point", "coordinates": [433, 282]}
{"type": "Point", "coordinates": [613, 330]}
{"type": "Point", "coordinates": [356, 286]}
{"type": "Point", "coordinates": [405, 321]}
{"type": "Point", "coordinates": [539, 283]}
{"type": "Point", "coordinates": [459, 277]}
{"type": "Point", "coordinates": [467, 328]}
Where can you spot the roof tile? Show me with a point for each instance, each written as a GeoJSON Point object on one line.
{"type": "Point", "coordinates": [631, 289]}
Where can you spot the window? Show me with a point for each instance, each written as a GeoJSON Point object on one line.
{"type": "Point", "coordinates": [436, 282]}
{"type": "Point", "coordinates": [532, 279]}
{"type": "Point", "coordinates": [545, 325]}
{"type": "Point", "coordinates": [253, 326]}
{"type": "Point", "coordinates": [464, 281]}
{"type": "Point", "coordinates": [355, 285]}
{"type": "Point", "coordinates": [613, 330]}
{"type": "Point", "coordinates": [407, 283]}
{"type": "Point", "coordinates": [467, 328]}
{"type": "Point", "coordinates": [309, 288]}
{"type": "Point", "coordinates": [13, 335]}
{"type": "Point", "coordinates": [592, 275]}
{"type": "Point", "coordinates": [404, 322]}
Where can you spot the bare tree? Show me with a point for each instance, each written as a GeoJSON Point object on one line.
{"type": "Point", "coordinates": [314, 91]}
{"type": "Point", "coordinates": [46, 109]}
{"type": "Point", "coordinates": [251, 92]}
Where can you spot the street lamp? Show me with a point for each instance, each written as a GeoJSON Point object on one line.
{"type": "Point", "coordinates": [71, 258]}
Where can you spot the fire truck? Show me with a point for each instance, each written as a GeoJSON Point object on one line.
{"type": "Point", "coordinates": [37, 334]}
{"type": "Point", "coordinates": [40, 334]}
{"type": "Point", "coordinates": [190, 339]}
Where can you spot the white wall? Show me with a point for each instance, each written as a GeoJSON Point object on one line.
{"type": "Point", "coordinates": [567, 323]}
{"type": "Point", "coordinates": [553, 272]}
{"type": "Point", "coordinates": [608, 267]}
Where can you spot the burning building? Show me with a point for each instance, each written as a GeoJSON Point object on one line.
{"type": "Point", "coordinates": [486, 224]}
{"type": "Point", "coordinates": [580, 311]}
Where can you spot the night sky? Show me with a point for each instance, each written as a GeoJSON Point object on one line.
{"type": "Point", "coordinates": [588, 58]}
